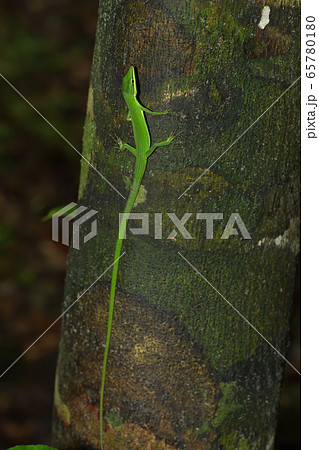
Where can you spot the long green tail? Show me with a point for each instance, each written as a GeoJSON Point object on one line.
{"type": "Point", "coordinates": [128, 208]}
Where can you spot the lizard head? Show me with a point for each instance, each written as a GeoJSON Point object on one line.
{"type": "Point", "coordinates": [129, 83]}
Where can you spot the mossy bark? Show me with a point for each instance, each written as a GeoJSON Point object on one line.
{"type": "Point", "coordinates": [186, 371]}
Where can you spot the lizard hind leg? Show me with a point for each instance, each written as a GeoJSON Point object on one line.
{"type": "Point", "coordinates": [117, 140]}
{"type": "Point", "coordinates": [124, 146]}
{"type": "Point", "coordinates": [154, 113]}
{"type": "Point", "coordinates": [159, 144]}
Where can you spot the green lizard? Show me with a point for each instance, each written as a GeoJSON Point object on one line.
{"type": "Point", "coordinates": [143, 150]}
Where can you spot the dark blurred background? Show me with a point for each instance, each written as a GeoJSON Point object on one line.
{"type": "Point", "coordinates": [46, 51]}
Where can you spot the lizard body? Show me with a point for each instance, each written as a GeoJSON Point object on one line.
{"type": "Point", "coordinates": [142, 152]}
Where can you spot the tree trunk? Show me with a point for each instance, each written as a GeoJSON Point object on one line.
{"type": "Point", "coordinates": [185, 370]}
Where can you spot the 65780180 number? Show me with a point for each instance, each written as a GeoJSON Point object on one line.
{"type": "Point", "coordinates": [310, 47]}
